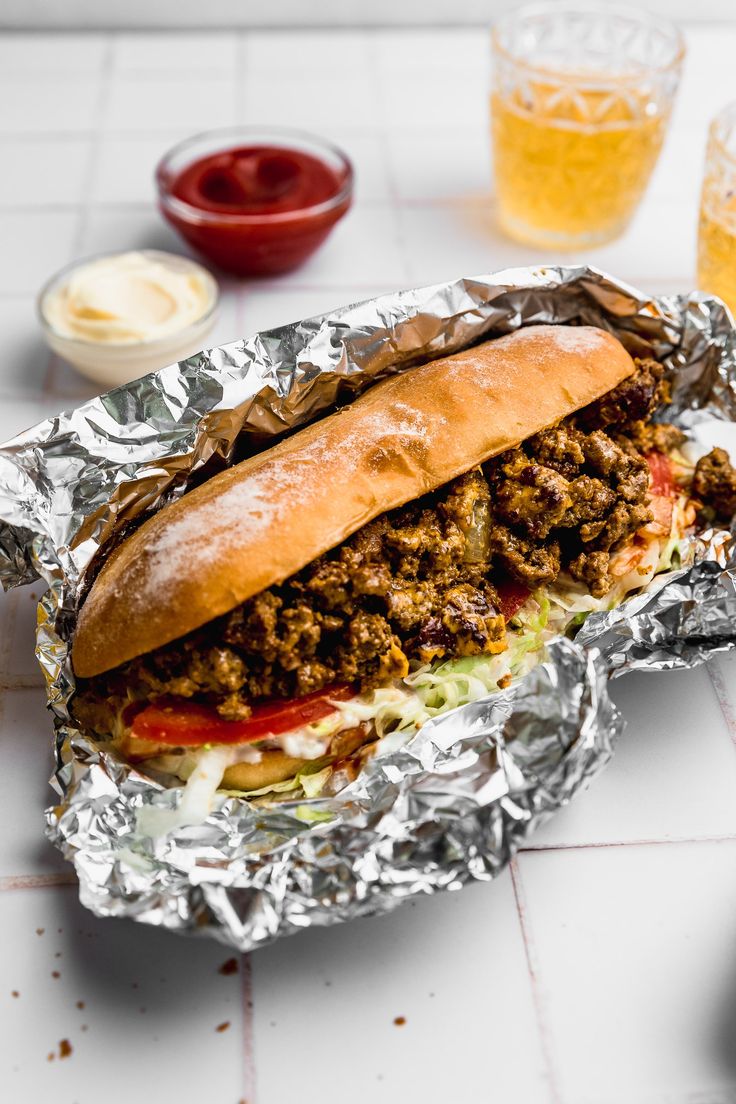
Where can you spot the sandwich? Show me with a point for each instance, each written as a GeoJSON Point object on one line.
{"type": "Point", "coordinates": [411, 552]}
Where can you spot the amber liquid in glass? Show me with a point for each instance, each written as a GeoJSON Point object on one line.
{"type": "Point", "coordinates": [572, 163]}
{"type": "Point", "coordinates": [717, 248]}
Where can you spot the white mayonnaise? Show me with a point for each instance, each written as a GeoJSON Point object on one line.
{"type": "Point", "coordinates": [119, 316]}
{"type": "Point", "coordinates": [126, 298]}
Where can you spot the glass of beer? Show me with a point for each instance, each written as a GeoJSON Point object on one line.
{"type": "Point", "coordinates": [717, 223]}
{"type": "Point", "coordinates": [580, 101]}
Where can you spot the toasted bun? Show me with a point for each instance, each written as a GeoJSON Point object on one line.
{"type": "Point", "coordinates": [261, 521]}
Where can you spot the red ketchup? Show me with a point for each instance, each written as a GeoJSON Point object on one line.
{"type": "Point", "coordinates": [256, 209]}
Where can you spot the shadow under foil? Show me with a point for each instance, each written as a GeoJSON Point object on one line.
{"type": "Point", "coordinates": [723, 1033]}
{"type": "Point", "coordinates": [125, 970]}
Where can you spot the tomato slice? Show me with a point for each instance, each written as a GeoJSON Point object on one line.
{"type": "Point", "coordinates": [511, 597]}
{"type": "Point", "coordinates": [189, 724]}
{"type": "Point", "coordinates": [660, 474]}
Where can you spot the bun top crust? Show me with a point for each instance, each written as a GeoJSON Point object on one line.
{"type": "Point", "coordinates": [261, 521]}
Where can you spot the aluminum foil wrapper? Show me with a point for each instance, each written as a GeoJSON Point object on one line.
{"type": "Point", "coordinates": [458, 799]}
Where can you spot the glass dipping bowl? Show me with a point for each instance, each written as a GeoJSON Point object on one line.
{"type": "Point", "coordinates": [112, 363]}
{"type": "Point", "coordinates": [254, 243]}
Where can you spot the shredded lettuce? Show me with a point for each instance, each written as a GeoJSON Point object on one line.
{"type": "Point", "coordinates": [313, 783]}
{"type": "Point", "coordinates": [310, 815]}
{"type": "Point", "coordinates": [197, 797]}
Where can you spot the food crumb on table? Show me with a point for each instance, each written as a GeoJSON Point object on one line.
{"type": "Point", "coordinates": [223, 1026]}
{"type": "Point", "coordinates": [230, 966]}
{"type": "Point", "coordinates": [399, 1021]}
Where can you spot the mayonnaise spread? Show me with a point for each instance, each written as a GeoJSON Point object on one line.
{"type": "Point", "coordinates": [128, 298]}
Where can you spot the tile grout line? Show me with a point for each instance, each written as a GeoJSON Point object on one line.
{"type": "Point", "coordinates": [22, 682]}
{"type": "Point", "coordinates": [105, 86]}
{"type": "Point", "coordinates": [11, 617]}
{"type": "Point", "coordinates": [249, 1058]}
{"type": "Point", "coordinates": [242, 52]}
{"type": "Point", "coordinates": [480, 201]}
{"type": "Point", "coordinates": [545, 1039]}
{"type": "Point", "coordinates": [104, 79]}
{"type": "Point", "coordinates": [381, 133]}
{"type": "Point", "coordinates": [37, 881]}
{"type": "Point", "coordinates": [542, 848]}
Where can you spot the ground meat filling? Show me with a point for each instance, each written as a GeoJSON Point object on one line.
{"type": "Point", "coordinates": [714, 483]}
{"type": "Point", "coordinates": [413, 584]}
{"type": "Point", "coordinates": [420, 582]}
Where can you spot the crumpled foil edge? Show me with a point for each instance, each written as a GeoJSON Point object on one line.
{"type": "Point", "coordinates": [465, 792]}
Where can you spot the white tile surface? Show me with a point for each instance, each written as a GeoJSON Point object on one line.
{"type": "Point", "coordinates": [197, 54]}
{"type": "Point", "coordinates": [229, 323]}
{"type": "Point", "coordinates": [28, 165]}
{"type": "Point", "coordinates": [420, 51]}
{"type": "Point", "coordinates": [707, 83]}
{"type": "Point", "coordinates": [17, 415]}
{"type": "Point", "coordinates": [18, 664]}
{"type": "Point", "coordinates": [34, 245]}
{"type": "Point", "coordinates": [67, 386]}
{"type": "Point", "coordinates": [315, 105]}
{"type": "Point", "coordinates": [632, 953]}
{"type": "Point", "coordinates": [459, 169]}
{"type": "Point", "coordinates": [364, 248]}
{"type": "Point", "coordinates": [309, 53]}
{"type": "Point", "coordinates": [32, 106]}
{"type": "Point", "coordinates": [40, 54]}
{"type": "Point", "coordinates": [463, 238]}
{"type": "Point", "coordinates": [161, 103]}
{"type": "Point", "coordinates": [151, 1006]}
{"type": "Point", "coordinates": [655, 788]}
{"type": "Point", "coordinates": [125, 166]}
{"type": "Point", "coordinates": [444, 965]}
{"type": "Point", "coordinates": [436, 100]}
{"type": "Point", "coordinates": [367, 153]}
{"type": "Point", "coordinates": [265, 308]}
{"type": "Point", "coordinates": [110, 228]}
{"type": "Point", "coordinates": [25, 359]}
{"type": "Point", "coordinates": [26, 757]}
{"type": "Point", "coordinates": [679, 172]}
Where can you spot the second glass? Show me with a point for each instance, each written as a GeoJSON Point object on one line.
{"type": "Point", "coordinates": [580, 101]}
{"type": "Point", "coordinates": [717, 222]}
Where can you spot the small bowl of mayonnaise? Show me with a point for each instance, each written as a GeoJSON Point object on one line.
{"type": "Point", "coordinates": [120, 315]}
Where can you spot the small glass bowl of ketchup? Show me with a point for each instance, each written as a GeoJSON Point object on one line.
{"type": "Point", "coordinates": [253, 200]}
